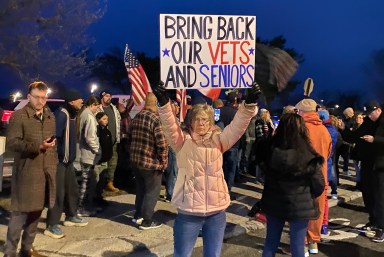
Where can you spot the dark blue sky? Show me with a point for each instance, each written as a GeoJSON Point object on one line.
{"type": "Point", "coordinates": [335, 37]}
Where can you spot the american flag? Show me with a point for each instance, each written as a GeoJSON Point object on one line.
{"type": "Point", "coordinates": [181, 97]}
{"type": "Point", "coordinates": [137, 77]}
{"type": "Point", "coordinates": [212, 93]}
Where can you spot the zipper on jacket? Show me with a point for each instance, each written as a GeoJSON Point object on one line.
{"type": "Point", "coordinates": [206, 177]}
{"type": "Point", "coordinates": [185, 181]}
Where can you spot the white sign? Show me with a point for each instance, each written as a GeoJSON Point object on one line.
{"type": "Point", "coordinates": [2, 145]}
{"type": "Point", "coordinates": [207, 51]}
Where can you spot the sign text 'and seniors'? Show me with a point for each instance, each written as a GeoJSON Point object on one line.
{"type": "Point", "coordinates": [207, 51]}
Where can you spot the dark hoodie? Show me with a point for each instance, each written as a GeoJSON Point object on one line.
{"type": "Point", "coordinates": [293, 181]}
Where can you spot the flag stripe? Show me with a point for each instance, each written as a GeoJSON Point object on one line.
{"type": "Point", "coordinates": [181, 97]}
{"type": "Point", "coordinates": [212, 93]}
{"type": "Point", "coordinates": [137, 77]}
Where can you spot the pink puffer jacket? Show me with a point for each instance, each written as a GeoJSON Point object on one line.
{"type": "Point", "coordinates": [200, 187]}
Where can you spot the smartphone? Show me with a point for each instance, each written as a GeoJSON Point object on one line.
{"type": "Point", "coordinates": [217, 114]}
{"type": "Point", "coordinates": [51, 139]}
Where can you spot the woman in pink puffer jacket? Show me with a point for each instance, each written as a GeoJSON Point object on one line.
{"type": "Point", "coordinates": [200, 194]}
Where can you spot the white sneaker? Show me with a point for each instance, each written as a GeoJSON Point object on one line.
{"type": "Point", "coordinates": [137, 221]}
{"type": "Point", "coordinates": [334, 196]}
{"type": "Point", "coordinates": [306, 252]}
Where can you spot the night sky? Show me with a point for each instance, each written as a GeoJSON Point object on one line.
{"type": "Point", "coordinates": [335, 37]}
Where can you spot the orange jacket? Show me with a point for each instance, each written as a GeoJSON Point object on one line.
{"type": "Point", "coordinates": [320, 138]}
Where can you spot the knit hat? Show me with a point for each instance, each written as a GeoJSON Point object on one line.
{"type": "Point", "coordinates": [371, 106]}
{"type": "Point", "coordinates": [72, 95]}
{"type": "Point", "coordinates": [323, 114]}
{"type": "Point", "coordinates": [104, 92]}
{"type": "Point", "coordinates": [306, 105]}
{"type": "Point", "coordinates": [100, 115]}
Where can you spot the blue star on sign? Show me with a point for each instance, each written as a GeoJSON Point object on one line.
{"type": "Point", "coordinates": [165, 52]}
{"type": "Point", "coordinates": [251, 51]}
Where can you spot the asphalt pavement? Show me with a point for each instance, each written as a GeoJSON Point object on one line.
{"type": "Point", "coordinates": [112, 234]}
{"type": "Point", "coordinates": [344, 238]}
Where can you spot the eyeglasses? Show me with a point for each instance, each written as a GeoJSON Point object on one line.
{"type": "Point", "coordinates": [43, 98]}
{"type": "Point", "coordinates": [202, 120]}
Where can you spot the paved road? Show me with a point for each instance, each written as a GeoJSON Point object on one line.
{"type": "Point", "coordinates": [344, 238]}
{"type": "Point", "coordinates": [112, 234]}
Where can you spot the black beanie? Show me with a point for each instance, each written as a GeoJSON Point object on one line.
{"type": "Point", "coordinates": [72, 95]}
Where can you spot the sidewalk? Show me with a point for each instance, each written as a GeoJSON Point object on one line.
{"type": "Point", "coordinates": [112, 234]}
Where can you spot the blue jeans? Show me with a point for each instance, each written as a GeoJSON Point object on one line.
{"type": "Point", "coordinates": [297, 232]}
{"type": "Point", "coordinates": [230, 161]}
{"type": "Point", "coordinates": [171, 171]}
{"type": "Point", "coordinates": [332, 181]}
{"type": "Point", "coordinates": [186, 230]}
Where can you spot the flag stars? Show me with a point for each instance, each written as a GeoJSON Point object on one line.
{"type": "Point", "coordinates": [165, 52]}
{"type": "Point", "coordinates": [251, 51]}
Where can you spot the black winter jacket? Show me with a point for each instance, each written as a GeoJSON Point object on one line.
{"type": "Point", "coordinates": [366, 151]}
{"type": "Point", "coordinates": [293, 181]}
{"type": "Point", "coordinates": [106, 144]}
{"type": "Point", "coordinates": [378, 142]}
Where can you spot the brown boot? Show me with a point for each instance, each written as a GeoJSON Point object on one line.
{"type": "Point", "coordinates": [110, 187]}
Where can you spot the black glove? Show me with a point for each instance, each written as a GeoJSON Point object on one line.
{"type": "Point", "coordinates": [253, 93]}
{"type": "Point", "coordinates": [160, 93]}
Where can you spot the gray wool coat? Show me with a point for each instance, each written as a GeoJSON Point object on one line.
{"type": "Point", "coordinates": [34, 171]}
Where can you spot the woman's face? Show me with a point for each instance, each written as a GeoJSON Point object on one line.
{"type": "Point", "coordinates": [94, 107]}
{"type": "Point", "coordinates": [359, 119]}
{"type": "Point", "coordinates": [201, 124]}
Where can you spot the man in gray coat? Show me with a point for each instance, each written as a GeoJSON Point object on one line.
{"type": "Point", "coordinates": [29, 136]}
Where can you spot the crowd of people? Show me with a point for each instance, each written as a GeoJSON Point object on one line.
{"type": "Point", "coordinates": [199, 161]}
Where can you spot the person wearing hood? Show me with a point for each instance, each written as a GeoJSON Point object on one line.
{"type": "Point", "coordinates": [201, 194]}
{"type": "Point", "coordinates": [322, 143]}
{"type": "Point", "coordinates": [293, 179]}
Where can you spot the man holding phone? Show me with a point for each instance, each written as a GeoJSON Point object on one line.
{"type": "Point", "coordinates": [34, 183]}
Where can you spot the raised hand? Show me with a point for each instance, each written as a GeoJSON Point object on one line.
{"type": "Point", "coordinates": [160, 93]}
{"type": "Point", "coordinates": [253, 93]}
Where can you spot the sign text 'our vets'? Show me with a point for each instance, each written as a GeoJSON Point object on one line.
{"type": "Point", "coordinates": [207, 51]}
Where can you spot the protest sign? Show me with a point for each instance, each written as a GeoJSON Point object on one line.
{"type": "Point", "coordinates": [207, 51]}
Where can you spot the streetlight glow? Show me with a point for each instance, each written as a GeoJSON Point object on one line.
{"type": "Point", "coordinates": [93, 87]}
{"type": "Point", "coordinates": [337, 106]}
{"type": "Point", "coordinates": [49, 91]}
{"type": "Point", "coordinates": [16, 95]}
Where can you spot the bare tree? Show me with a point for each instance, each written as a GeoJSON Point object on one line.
{"type": "Point", "coordinates": [47, 38]}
